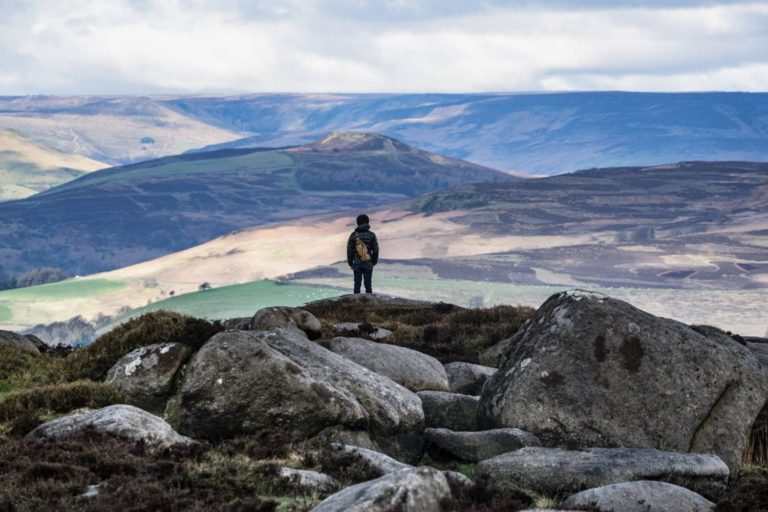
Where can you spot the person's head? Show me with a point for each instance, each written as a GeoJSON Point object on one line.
{"type": "Point", "coordinates": [362, 220]}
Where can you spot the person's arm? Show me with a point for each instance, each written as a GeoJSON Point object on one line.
{"type": "Point", "coordinates": [351, 249]}
{"type": "Point", "coordinates": [375, 255]}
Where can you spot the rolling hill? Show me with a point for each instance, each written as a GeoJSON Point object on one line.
{"type": "Point", "coordinates": [538, 134]}
{"type": "Point", "coordinates": [123, 215]}
{"type": "Point", "coordinates": [27, 168]}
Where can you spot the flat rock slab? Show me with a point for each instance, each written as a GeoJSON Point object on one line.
{"type": "Point", "coordinates": [453, 411]}
{"type": "Point", "coordinates": [146, 375]}
{"type": "Point", "coordinates": [478, 446]}
{"type": "Point", "coordinates": [407, 367]}
{"type": "Point", "coordinates": [123, 421]}
{"type": "Point", "coordinates": [642, 496]}
{"type": "Point", "coordinates": [468, 378]}
{"type": "Point", "coordinates": [553, 471]}
{"type": "Point", "coordinates": [409, 490]}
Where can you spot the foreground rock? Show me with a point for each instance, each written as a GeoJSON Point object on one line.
{"type": "Point", "coordinates": [553, 471]}
{"type": "Point", "coordinates": [477, 446]}
{"type": "Point", "coordinates": [468, 378]}
{"type": "Point", "coordinates": [146, 375]}
{"type": "Point", "coordinates": [640, 497]}
{"type": "Point", "coordinates": [123, 421]}
{"type": "Point", "coordinates": [22, 342]}
{"type": "Point", "coordinates": [593, 371]}
{"type": "Point", "coordinates": [409, 490]}
{"type": "Point", "coordinates": [409, 368]}
{"type": "Point", "coordinates": [282, 388]}
{"type": "Point", "coordinates": [276, 317]}
{"type": "Point", "coordinates": [453, 411]}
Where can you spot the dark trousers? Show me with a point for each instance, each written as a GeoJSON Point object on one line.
{"type": "Point", "coordinates": [363, 273]}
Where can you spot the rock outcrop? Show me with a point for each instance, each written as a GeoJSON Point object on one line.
{"type": "Point", "coordinates": [276, 317]}
{"type": "Point", "coordinates": [410, 490]}
{"type": "Point", "coordinates": [145, 376]}
{"type": "Point", "coordinates": [553, 471]}
{"type": "Point", "coordinates": [478, 446]}
{"type": "Point", "coordinates": [409, 368]}
{"type": "Point", "coordinates": [589, 370]}
{"type": "Point", "coordinates": [453, 411]}
{"type": "Point", "coordinates": [123, 421]}
{"type": "Point", "coordinates": [640, 496]}
{"type": "Point", "coordinates": [468, 378]}
{"type": "Point", "coordinates": [283, 388]}
{"type": "Point", "coordinates": [20, 341]}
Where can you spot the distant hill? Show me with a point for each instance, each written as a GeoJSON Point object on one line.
{"type": "Point", "coordinates": [539, 134]}
{"type": "Point", "coordinates": [27, 168]}
{"type": "Point", "coordinates": [119, 216]}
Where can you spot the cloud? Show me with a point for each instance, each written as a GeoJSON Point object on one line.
{"type": "Point", "coordinates": [175, 46]}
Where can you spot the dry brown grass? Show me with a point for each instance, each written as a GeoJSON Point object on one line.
{"type": "Point", "coordinates": [756, 453]}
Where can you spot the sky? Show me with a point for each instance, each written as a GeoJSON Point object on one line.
{"type": "Point", "coordinates": [230, 46]}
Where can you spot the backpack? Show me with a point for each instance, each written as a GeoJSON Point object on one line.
{"type": "Point", "coordinates": [362, 250]}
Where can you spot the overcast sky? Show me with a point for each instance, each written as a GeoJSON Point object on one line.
{"type": "Point", "coordinates": [174, 46]}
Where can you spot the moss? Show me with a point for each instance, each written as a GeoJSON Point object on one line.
{"type": "Point", "coordinates": [94, 361]}
{"type": "Point", "coordinates": [56, 398]}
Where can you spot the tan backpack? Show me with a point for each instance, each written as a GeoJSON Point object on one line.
{"type": "Point", "coordinates": [362, 250]}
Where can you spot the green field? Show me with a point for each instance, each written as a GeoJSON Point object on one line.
{"type": "Point", "coordinates": [5, 313]}
{"type": "Point", "coordinates": [238, 300]}
{"type": "Point", "coordinates": [69, 289]}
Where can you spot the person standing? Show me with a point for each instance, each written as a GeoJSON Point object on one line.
{"type": "Point", "coordinates": [363, 253]}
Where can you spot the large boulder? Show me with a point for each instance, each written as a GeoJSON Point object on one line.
{"type": "Point", "coordinates": [477, 446]}
{"type": "Point", "coordinates": [552, 471]}
{"type": "Point", "coordinates": [145, 376]}
{"type": "Point", "coordinates": [410, 490]}
{"type": "Point", "coordinates": [409, 368]}
{"type": "Point", "coordinates": [639, 496]}
{"type": "Point", "coordinates": [282, 388]}
{"type": "Point", "coordinates": [589, 370]}
{"type": "Point", "coordinates": [468, 378]}
{"type": "Point", "coordinates": [307, 481]}
{"type": "Point", "coordinates": [280, 316]}
{"type": "Point", "coordinates": [26, 343]}
{"type": "Point", "coordinates": [122, 421]}
{"type": "Point", "coordinates": [453, 411]}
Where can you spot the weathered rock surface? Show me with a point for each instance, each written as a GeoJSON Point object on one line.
{"type": "Point", "coordinates": [123, 421]}
{"type": "Point", "coordinates": [375, 464]}
{"type": "Point", "coordinates": [468, 378]}
{"type": "Point", "coordinates": [640, 497]}
{"type": "Point", "coordinates": [593, 371]}
{"type": "Point", "coordinates": [493, 356]}
{"type": "Point", "coordinates": [761, 352]}
{"type": "Point", "coordinates": [308, 481]}
{"type": "Point", "coordinates": [279, 316]}
{"type": "Point", "coordinates": [409, 490]}
{"type": "Point", "coordinates": [283, 388]}
{"type": "Point", "coordinates": [146, 375]}
{"type": "Point", "coordinates": [553, 471]}
{"type": "Point", "coordinates": [453, 411]}
{"type": "Point", "coordinates": [477, 446]}
{"type": "Point", "coordinates": [409, 368]}
{"type": "Point", "coordinates": [19, 341]}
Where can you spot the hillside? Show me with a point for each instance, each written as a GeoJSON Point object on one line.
{"type": "Point", "coordinates": [27, 168]}
{"type": "Point", "coordinates": [653, 232]}
{"type": "Point", "coordinates": [120, 216]}
{"type": "Point", "coordinates": [540, 134]}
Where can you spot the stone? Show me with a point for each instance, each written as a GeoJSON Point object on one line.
{"type": "Point", "coordinates": [642, 496]}
{"type": "Point", "coordinates": [407, 367]}
{"type": "Point", "coordinates": [591, 371]}
{"type": "Point", "coordinates": [279, 316]}
{"type": "Point", "coordinates": [410, 490]}
{"type": "Point", "coordinates": [453, 411]}
{"type": "Point", "coordinates": [373, 463]}
{"type": "Point", "coordinates": [761, 352]}
{"type": "Point", "coordinates": [145, 376]}
{"type": "Point", "coordinates": [122, 421]}
{"type": "Point", "coordinates": [478, 446]}
{"type": "Point", "coordinates": [308, 481]}
{"type": "Point", "coordinates": [467, 378]}
{"type": "Point", "coordinates": [553, 471]}
{"type": "Point", "coordinates": [282, 388]}
{"type": "Point", "coordinates": [20, 341]}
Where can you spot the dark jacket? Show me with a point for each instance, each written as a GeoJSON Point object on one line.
{"type": "Point", "coordinates": [368, 237]}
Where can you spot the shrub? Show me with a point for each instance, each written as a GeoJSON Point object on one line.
{"type": "Point", "coordinates": [94, 361]}
{"type": "Point", "coordinates": [56, 398]}
{"type": "Point", "coordinates": [19, 369]}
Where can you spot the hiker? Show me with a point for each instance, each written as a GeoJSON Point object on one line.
{"type": "Point", "coordinates": [363, 253]}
